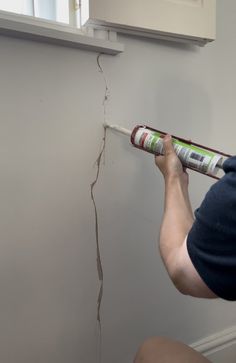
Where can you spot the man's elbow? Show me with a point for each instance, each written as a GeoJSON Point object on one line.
{"type": "Point", "coordinates": [178, 279]}
{"type": "Point", "coordinates": [176, 271]}
{"type": "Point", "coordinates": [190, 285]}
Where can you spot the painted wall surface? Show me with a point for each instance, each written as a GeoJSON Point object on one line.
{"type": "Point", "coordinates": [50, 134]}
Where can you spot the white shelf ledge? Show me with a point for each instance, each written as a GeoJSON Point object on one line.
{"type": "Point", "coordinates": [28, 27]}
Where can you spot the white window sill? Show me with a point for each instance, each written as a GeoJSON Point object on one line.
{"type": "Point", "coordinates": [27, 27]}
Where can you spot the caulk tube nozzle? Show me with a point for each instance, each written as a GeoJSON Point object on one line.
{"type": "Point", "coordinates": [120, 129]}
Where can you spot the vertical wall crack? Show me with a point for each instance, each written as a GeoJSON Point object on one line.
{"type": "Point", "coordinates": [93, 184]}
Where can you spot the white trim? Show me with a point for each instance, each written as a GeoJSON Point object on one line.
{"type": "Point", "coordinates": [72, 13]}
{"type": "Point", "coordinates": [28, 27]}
{"type": "Point", "coordinates": [28, 7]}
{"type": "Point", "coordinates": [62, 11]}
{"type": "Point", "coordinates": [177, 20]}
{"type": "Point", "coordinates": [216, 342]}
{"type": "Point", "coordinates": [159, 35]}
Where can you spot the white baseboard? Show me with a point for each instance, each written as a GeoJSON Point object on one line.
{"type": "Point", "coordinates": [219, 347]}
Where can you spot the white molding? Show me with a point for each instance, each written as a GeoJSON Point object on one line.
{"type": "Point", "coordinates": [22, 26]}
{"type": "Point", "coordinates": [216, 342]}
{"type": "Point", "coordinates": [147, 34]}
{"type": "Point", "coordinates": [177, 20]}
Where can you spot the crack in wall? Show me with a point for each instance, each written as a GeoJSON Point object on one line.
{"type": "Point", "coordinates": [107, 93]}
{"type": "Point", "coordinates": [93, 184]}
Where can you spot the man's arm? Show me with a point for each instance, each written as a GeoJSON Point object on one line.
{"type": "Point", "coordinates": [177, 222]}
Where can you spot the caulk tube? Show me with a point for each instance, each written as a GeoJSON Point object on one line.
{"type": "Point", "coordinates": [191, 156]}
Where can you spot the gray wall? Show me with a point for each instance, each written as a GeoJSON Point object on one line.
{"type": "Point", "coordinates": [50, 134]}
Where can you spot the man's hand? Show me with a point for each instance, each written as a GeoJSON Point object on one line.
{"type": "Point", "coordinates": [169, 163]}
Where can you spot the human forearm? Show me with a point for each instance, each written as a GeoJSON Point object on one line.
{"type": "Point", "coordinates": [176, 224]}
{"type": "Point", "coordinates": [177, 219]}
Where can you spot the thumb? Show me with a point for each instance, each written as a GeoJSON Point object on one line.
{"type": "Point", "coordinates": [167, 144]}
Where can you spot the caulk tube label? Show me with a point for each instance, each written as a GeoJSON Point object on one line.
{"type": "Point", "coordinates": [191, 156]}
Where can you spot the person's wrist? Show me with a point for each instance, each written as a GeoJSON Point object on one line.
{"type": "Point", "coordinates": [172, 178]}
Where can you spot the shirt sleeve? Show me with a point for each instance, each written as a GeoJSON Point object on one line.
{"type": "Point", "coordinates": [211, 242]}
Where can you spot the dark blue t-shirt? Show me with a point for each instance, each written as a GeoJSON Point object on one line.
{"type": "Point", "coordinates": [211, 242]}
